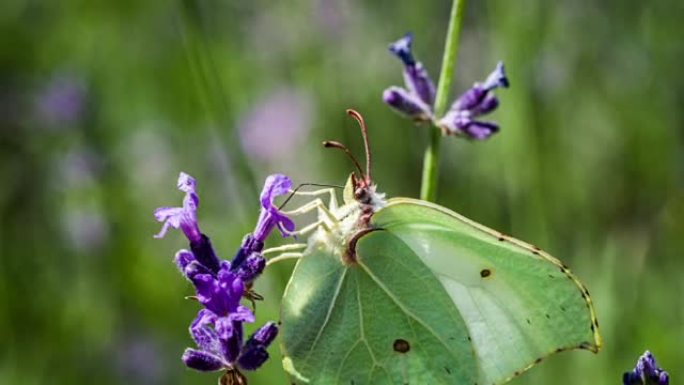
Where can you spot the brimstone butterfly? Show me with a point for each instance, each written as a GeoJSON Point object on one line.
{"type": "Point", "coordinates": [403, 291]}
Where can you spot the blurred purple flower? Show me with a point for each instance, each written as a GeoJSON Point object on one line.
{"type": "Point", "coordinates": [646, 372]}
{"type": "Point", "coordinates": [138, 360]}
{"type": "Point", "coordinates": [86, 230]}
{"type": "Point", "coordinates": [476, 101]}
{"type": "Point", "coordinates": [277, 125]}
{"type": "Point", "coordinates": [416, 101]}
{"type": "Point", "coordinates": [62, 101]}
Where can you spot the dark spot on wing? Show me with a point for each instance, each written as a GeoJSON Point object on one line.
{"type": "Point", "coordinates": [501, 238]}
{"type": "Point", "coordinates": [447, 370]}
{"type": "Point", "coordinates": [548, 316]}
{"type": "Point", "coordinates": [538, 360]}
{"type": "Point", "coordinates": [535, 252]}
{"type": "Point", "coordinates": [401, 346]}
{"type": "Point", "coordinates": [484, 273]}
{"type": "Point", "coordinates": [528, 321]}
{"type": "Point", "coordinates": [469, 339]}
{"type": "Point", "coordinates": [552, 276]}
{"type": "Point", "coordinates": [562, 308]}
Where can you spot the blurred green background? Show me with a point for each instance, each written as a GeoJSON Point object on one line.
{"type": "Point", "coordinates": [103, 103]}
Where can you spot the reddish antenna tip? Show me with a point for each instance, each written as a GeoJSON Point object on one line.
{"type": "Point", "coordinates": [364, 132]}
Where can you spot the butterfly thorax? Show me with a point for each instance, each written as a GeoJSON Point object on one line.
{"type": "Point", "coordinates": [361, 201]}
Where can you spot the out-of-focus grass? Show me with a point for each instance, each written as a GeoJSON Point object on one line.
{"type": "Point", "coordinates": [103, 103]}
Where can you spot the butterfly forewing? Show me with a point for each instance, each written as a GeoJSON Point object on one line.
{"type": "Point", "coordinates": [519, 303]}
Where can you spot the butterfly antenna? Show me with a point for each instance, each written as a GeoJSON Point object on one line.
{"type": "Point", "coordinates": [294, 191]}
{"type": "Point", "coordinates": [364, 132]}
{"type": "Point", "coordinates": [340, 146]}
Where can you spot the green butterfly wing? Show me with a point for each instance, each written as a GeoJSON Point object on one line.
{"type": "Point", "coordinates": [432, 298]}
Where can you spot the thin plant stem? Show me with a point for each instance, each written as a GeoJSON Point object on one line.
{"type": "Point", "coordinates": [428, 188]}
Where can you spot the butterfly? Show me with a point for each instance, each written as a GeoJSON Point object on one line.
{"type": "Point", "coordinates": [404, 291]}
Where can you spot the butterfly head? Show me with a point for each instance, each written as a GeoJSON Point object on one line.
{"type": "Point", "coordinates": [360, 188]}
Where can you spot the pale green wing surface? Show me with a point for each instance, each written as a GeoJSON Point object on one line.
{"type": "Point", "coordinates": [519, 303]}
{"type": "Point", "coordinates": [385, 319]}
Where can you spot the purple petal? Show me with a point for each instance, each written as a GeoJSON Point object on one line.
{"type": "Point", "coordinates": [402, 49]}
{"type": "Point", "coordinates": [231, 346]}
{"type": "Point", "coordinates": [253, 357]}
{"type": "Point", "coordinates": [419, 83]}
{"type": "Point", "coordinates": [481, 130]}
{"type": "Point", "coordinates": [469, 99]}
{"type": "Point", "coordinates": [663, 379]}
{"type": "Point", "coordinates": [171, 216]}
{"type": "Point", "coordinates": [243, 314]}
{"type": "Point", "coordinates": [205, 337]}
{"type": "Point", "coordinates": [252, 267]}
{"type": "Point", "coordinates": [206, 287]}
{"type": "Point", "coordinates": [487, 105]}
{"type": "Point", "coordinates": [186, 183]}
{"type": "Point", "coordinates": [248, 246]}
{"type": "Point", "coordinates": [183, 259]}
{"type": "Point", "coordinates": [497, 78]}
{"type": "Point", "coordinates": [270, 217]}
{"type": "Point", "coordinates": [194, 268]}
{"type": "Point", "coordinates": [184, 217]}
{"type": "Point", "coordinates": [275, 185]}
{"type": "Point", "coordinates": [265, 335]}
{"type": "Point", "coordinates": [285, 225]}
{"type": "Point", "coordinates": [405, 103]}
{"type": "Point", "coordinates": [202, 361]}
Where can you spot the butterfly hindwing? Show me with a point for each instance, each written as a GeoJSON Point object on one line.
{"type": "Point", "coordinates": [382, 319]}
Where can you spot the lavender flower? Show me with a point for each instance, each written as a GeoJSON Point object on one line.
{"type": "Point", "coordinates": [478, 100]}
{"type": "Point", "coordinates": [416, 101]}
{"type": "Point", "coordinates": [185, 218]}
{"type": "Point", "coordinates": [269, 219]}
{"type": "Point", "coordinates": [220, 285]}
{"type": "Point", "coordinates": [646, 372]}
{"type": "Point", "coordinates": [218, 331]}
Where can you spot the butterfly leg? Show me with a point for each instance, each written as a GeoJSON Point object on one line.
{"type": "Point", "coordinates": [332, 205]}
{"type": "Point", "coordinates": [284, 248]}
{"type": "Point", "coordinates": [326, 217]}
{"type": "Point", "coordinates": [283, 257]}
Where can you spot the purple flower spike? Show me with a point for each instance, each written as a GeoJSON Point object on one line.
{"type": "Point", "coordinates": [417, 81]}
{"type": "Point", "coordinates": [646, 372]}
{"type": "Point", "coordinates": [270, 217]}
{"type": "Point", "coordinates": [184, 217]}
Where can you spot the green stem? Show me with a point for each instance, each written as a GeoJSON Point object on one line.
{"type": "Point", "coordinates": [428, 188]}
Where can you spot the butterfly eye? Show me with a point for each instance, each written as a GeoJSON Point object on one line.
{"type": "Point", "coordinates": [361, 195]}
